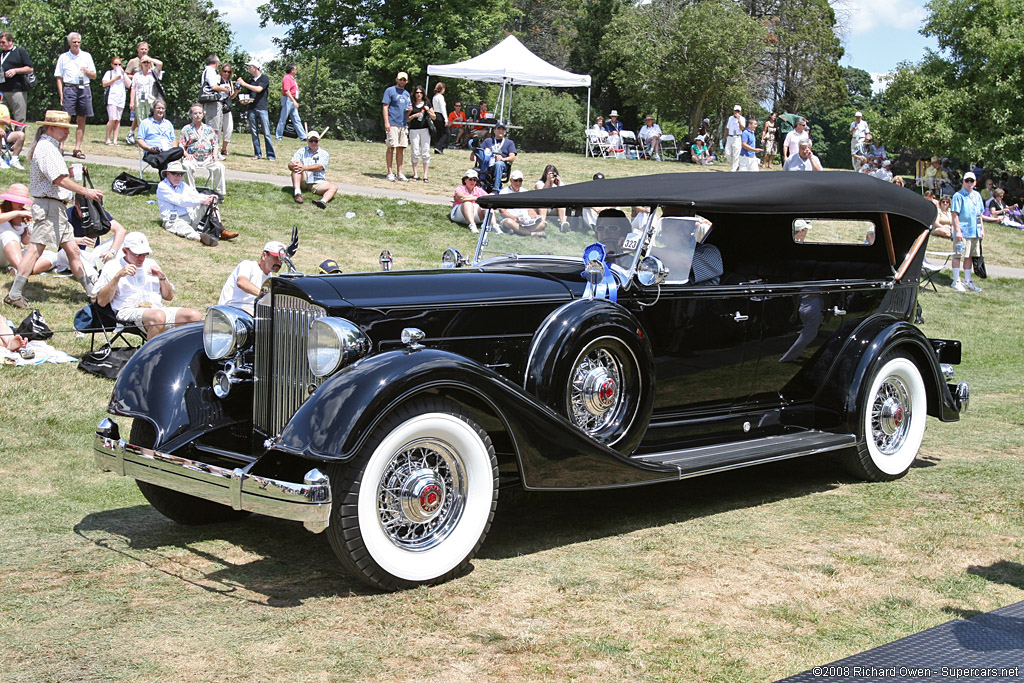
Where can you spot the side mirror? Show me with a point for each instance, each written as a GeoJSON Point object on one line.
{"type": "Point", "coordinates": [651, 271]}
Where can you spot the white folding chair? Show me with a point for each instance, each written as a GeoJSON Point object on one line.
{"type": "Point", "coordinates": [929, 269]}
{"type": "Point", "coordinates": [597, 145]}
{"type": "Point", "coordinates": [668, 142]}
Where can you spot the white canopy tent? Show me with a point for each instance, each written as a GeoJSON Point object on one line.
{"type": "Point", "coordinates": [511, 63]}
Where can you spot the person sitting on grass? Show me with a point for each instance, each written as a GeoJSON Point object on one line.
{"type": "Point", "coordinates": [9, 340]}
{"type": "Point", "coordinates": [183, 208]}
{"type": "Point", "coordinates": [309, 171]}
{"type": "Point", "coordinates": [465, 210]}
{"type": "Point", "coordinates": [14, 236]}
{"type": "Point", "coordinates": [136, 288]}
{"type": "Point", "coordinates": [699, 153]}
{"type": "Point", "coordinates": [520, 221]}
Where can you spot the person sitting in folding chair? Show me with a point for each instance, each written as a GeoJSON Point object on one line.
{"type": "Point", "coordinates": [495, 156]}
{"type": "Point", "coordinates": [13, 140]}
{"type": "Point", "coordinates": [200, 143]}
{"type": "Point", "coordinates": [157, 140]}
{"type": "Point", "coordinates": [650, 136]}
{"type": "Point", "coordinates": [136, 288]}
{"type": "Point", "coordinates": [186, 212]}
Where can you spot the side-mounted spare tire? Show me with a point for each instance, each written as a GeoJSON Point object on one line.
{"type": "Point", "coordinates": [591, 362]}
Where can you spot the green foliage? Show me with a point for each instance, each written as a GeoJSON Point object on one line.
{"type": "Point", "coordinates": [552, 122]}
{"type": "Point", "coordinates": [182, 33]}
{"type": "Point", "coordinates": [692, 57]}
{"type": "Point", "coordinates": [966, 101]}
{"type": "Point", "coordinates": [858, 82]}
{"type": "Point", "coordinates": [801, 54]}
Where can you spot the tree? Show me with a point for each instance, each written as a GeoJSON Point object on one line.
{"type": "Point", "coordinates": [964, 102]}
{"type": "Point", "coordinates": [692, 58]}
{"type": "Point", "coordinates": [858, 82]}
{"type": "Point", "coordinates": [182, 33]}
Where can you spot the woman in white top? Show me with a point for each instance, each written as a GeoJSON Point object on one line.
{"type": "Point", "coordinates": [440, 140]}
{"type": "Point", "coordinates": [117, 82]}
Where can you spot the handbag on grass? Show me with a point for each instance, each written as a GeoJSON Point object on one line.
{"type": "Point", "coordinates": [979, 262]}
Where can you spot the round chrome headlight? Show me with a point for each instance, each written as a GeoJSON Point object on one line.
{"type": "Point", "coordinates": [226, 331]}
{"type": "Point", "coordinates": [333, 343]}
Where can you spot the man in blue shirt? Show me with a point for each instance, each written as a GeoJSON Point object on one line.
{"type": "Point", "coordinates": [396, 104]}
{"type": "Point", "coordinates": [749, 149]}
{"type": "Point", "coordinates": [157, 139]}
{"type": "Point", "coordinates": [309, 171]}
{"type": "Point", "coordinates": [614, 128]}
{"type": "Point", "coordinates": [497, 154]}
{"type": "Point", "coordinates": [968, 209]}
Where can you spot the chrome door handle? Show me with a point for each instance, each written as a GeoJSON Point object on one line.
{"type": "Point", "coordinates": [838, 311]}
{"type": "Point", "coordinates": [739, 317]}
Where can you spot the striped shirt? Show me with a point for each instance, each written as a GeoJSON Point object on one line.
{"type": "Point", "coordinates": [48, 165]}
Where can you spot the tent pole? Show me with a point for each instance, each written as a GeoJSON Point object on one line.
{"type": "Point", "coordinates": [508, 118]}
{"type": "Point", "coordinates": [427, 86]}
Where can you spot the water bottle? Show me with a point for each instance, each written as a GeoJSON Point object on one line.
{"type": "Point", "coordinates": [131, 115]}
{"type": "Point", "coordinates": [959, 248]}
{"type": "Point", "coordinates": [151, 201]}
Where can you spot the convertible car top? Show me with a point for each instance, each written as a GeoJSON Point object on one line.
{"type": "Point", "coordinates": [831, 192]}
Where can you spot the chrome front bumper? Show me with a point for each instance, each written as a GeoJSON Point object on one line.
{"type": "Point", "coordinates": [308, 502]}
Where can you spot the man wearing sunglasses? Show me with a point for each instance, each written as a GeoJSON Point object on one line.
{"type": "Point", "coordinates": [968, 213]}
{"type": "Point", "coordinates": [183, 208]}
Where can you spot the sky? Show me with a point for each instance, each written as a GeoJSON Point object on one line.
{"type": "Point", "coordinates": [880, 33]}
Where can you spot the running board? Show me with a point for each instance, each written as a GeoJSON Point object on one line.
{"type": "Point", "coordinates": [721, 457]}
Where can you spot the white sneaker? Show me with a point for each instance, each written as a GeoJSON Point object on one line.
{"type": "Point", "coordinates": [958, 286]}
{"type": "Point", "coordinates": [130, 138]}
{"type": "Point", "coordinates": [16, 163]}
{"type": "Point", "coordinates": [3, 165]}
{"type": "Point", "coordinates": [473, 229]}
{"type": "Point", "coordinates": [391, 177]}
{"type": "Point", "coordinates": [973, 287]}
{"type": "Point", "coordinates": [401, 177]}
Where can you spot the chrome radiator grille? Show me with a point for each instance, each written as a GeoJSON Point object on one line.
{"type": "Point", "coordinates": [281, 372]}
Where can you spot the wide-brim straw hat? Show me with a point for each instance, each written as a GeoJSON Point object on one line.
{"type": "Point", "coordinates": [55, 117]}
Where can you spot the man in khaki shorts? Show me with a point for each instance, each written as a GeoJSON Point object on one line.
{"type": "Point", "coordinates": [309, 171]}
{"type": "Point", "coordinates": [52, 190]}
{"type": "Point", "coordinates": [396, 106]}
{"type": "Point", "coordinates": [136, 288]}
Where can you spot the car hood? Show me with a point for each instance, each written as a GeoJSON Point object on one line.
{"type": "Point", "coordinates": [435, 288]}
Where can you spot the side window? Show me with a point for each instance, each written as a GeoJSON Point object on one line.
{"type": "Point", "coordinates": [675, 245]}
{"type": "Point", "coordinates": [854, 231]}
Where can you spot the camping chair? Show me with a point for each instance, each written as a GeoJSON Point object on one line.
{"type": "Point", "coordinates": [929, 269]}
{"type": "Point", "coordinates": [487, 177]}
{"type": "Point", "coordinates": [668, 142]}
{"type": "Point", "coordinates": [597, 146]}
{"type": "Point", "coordinates": [95, 319]}
{"type": "Point", "coordinates": [919, 170]}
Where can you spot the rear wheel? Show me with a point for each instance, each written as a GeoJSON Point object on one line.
{"type": "Point", "coordinates": [416, 503]}
{"type": "Point", "coordinates": [179, 507]}
{"type": "Point", "coordinates": [892, 419]}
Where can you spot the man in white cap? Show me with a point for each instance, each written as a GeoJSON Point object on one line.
{"type": "Point", "coordinates": [883, 172]}
{"type": "Point", "coordinates": [800, 228]}
{"type": "Point", "coordinates": [309, 171]}
{"type": "Point", "coordinates": [520, 221]}
{"type": "Point", "coordinates": [396, 105]}
{"type": "Point", "coordinates": [136, 288]}
{"type": "Point", "coordinates": [858, 129]}
{"type": "Point", "coordinates": [243, 285]}
{"type": "Point", "coordinates": [968, 214]}
{"type": "Point", "coordinates": [52, 189]}
{"type": "Point", "coordinates": [182, 208]}
{"type": "Point", "coordinates": [735, 128]}
{"type": "Point", "coordinates": [258, 86]}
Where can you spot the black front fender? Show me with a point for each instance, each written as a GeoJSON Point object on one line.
{"type": "Point", "coordinates": [168, 383]}
{"type": "Point", "coordinates": [334, 423]}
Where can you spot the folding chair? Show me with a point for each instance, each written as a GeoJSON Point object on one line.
{"type": "Point", "coordinates": [94, 319]}
{"type": "Point", "coordinates": [630, 145]}
{"type": "Point", "coordinates": [929, 269]}
{"type": "Point", "coordinates": [668, 142]}
{"type": "Point", "coordinates": [596, 145]}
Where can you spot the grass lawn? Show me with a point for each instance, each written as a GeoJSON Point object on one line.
{"type": "Point", "coordinates": [745, 576]}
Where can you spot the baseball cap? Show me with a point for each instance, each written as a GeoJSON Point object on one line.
{"type": "Point", "coordinates": [800, 224]}
{"type": "Point", "coordinates": [470, 174]}
{"type": "Point", "coordinates": [253, 62]}
{"type": "Point", "coordinates": [274, 248]}
{"type": "Point", "coordinates": [401, 75]}
{"type": "Point", "coordinates": [516, 175]}
{"type": "Point", "coordinates": [328, 266]}
{"type": "Point", "coordinates": [500, 124]}
{"type": "Point", "coordinates": [970, 176]}
{"type": "Point", "coordinates": [737, 108]}
{"type": "Point", "coordinates": [858, 114]}
{"type": "Point", "coordinates": [136, 243]}
{"type": "Point", "coordinates": [312, 134]}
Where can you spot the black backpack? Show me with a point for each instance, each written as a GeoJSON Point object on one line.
{"type": "Point", "coordinates": [95, 221]}
{"type": "Point", "coordinates": [129, 185]}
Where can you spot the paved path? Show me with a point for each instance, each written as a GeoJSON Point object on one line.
{"type": "Point", "coordinates": [284, 181]}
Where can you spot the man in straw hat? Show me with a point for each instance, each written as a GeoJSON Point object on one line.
{"type": "Point", "coordinates": [52, 190]}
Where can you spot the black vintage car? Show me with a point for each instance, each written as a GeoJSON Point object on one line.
{"type": "Point", "coordinates": [684, 324]}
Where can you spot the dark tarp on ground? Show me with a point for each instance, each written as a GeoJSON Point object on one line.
{"type": "Point", "coordinates": [771, 192]}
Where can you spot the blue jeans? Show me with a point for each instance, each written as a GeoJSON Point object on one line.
{"type": "Point", "coordinates": [259, 122]}
{"type": "Point", "coordinates": [498, 168]}
{"type": "Point", "coordinates": [288, 109]}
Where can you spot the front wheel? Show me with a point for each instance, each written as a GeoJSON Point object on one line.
{"type": "Point", "coordinates": [891, 422]}
{"type": "Point", "coordinates": [415, 504]}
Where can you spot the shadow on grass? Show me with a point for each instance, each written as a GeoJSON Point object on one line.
{"type": "Point", "coordinates": [294, 565]}
{"type": "Point", "coordinates": [1003, 571]}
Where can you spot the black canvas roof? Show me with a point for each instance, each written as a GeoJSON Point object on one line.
{"type": "Point", "coordinates": [811, 193]}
